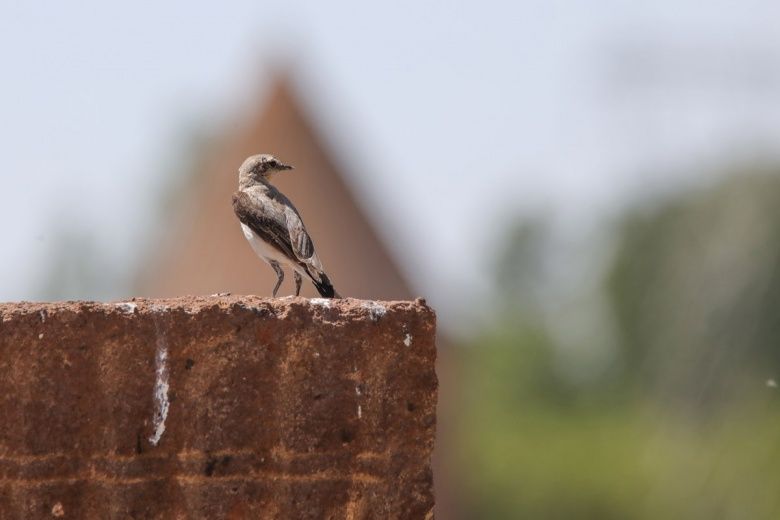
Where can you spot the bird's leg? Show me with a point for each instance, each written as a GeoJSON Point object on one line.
{"type": "Point", "coordinates": [298, 281]}
{"type": "Point", "coordinates": [279, 274]}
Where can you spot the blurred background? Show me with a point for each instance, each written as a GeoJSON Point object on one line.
{"type": "Point", "coordinates": [587, 193]}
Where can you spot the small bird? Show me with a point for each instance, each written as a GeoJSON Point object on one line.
{"type": "Point", "coordinates": [274, 227]}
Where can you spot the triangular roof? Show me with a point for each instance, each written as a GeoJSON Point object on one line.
{"type": "Point", "coordinates": [204, 251]}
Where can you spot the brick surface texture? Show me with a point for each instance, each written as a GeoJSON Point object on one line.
{"type": "Point", "coordinates": [217, 407]}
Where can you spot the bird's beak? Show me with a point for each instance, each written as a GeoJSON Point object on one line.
{"type": "Point", "coordinates": [283, 166]}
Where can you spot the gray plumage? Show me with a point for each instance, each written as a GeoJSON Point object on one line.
{"type": "Point", "coordinates": [274, 227]}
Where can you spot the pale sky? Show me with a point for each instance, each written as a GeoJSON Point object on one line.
{"type": "Point", "coordinates": [452, 116]}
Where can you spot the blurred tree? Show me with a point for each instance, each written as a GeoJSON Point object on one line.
{"type": "Point", "coordinates": [533, 446]}
{"type": "Point", "coordinates": [519, 279]}
{"type": "Point", "coordinates": [695, 288]}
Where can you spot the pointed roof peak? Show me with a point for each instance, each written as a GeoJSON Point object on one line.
{"type": "Point", "coordinates": [207, 252]}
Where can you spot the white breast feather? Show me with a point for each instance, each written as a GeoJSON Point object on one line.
{"type": "Point", "coordinates": [266, 251]}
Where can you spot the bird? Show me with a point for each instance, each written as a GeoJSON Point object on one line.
{"type": "Point", "coordinates": [274, 227]}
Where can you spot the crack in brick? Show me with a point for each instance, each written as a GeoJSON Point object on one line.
{"type": "Point", "coordinates": [189, 465]}
{"type": "Point", "coordinates": [194, 478]}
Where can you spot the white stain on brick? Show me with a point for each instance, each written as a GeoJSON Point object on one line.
{"type": "Point", "coordinates": [408, 340]}
{"type": "Point", "coordinates": [127, 307]}
{"type": "Point", "coordinates": [321, 302]}
{"type": "Point", "coordinates": [359, 408]}
{"type": "Point", "coordinates": [40, 336]}
{"type": "Point", "coordinates": [375, 309]}
{"type": "Point", "coordinates": [161, 387]}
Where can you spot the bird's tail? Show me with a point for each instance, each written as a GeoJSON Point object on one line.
{"type": "Point", "coordinates": [323, 286]}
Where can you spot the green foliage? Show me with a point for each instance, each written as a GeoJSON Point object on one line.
{"type": "Point", "coordinates": [530, 448]}
{"type": "Point", "coordinates": [520, 269]}
{"type": "Point", "coordinates": [533, 450]}
{"type": "Point", "coordinates": [690, 428]}
{"type": "Point", "coordinates": [695, 288]}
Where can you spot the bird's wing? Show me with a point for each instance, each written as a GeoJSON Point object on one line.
{"type": "Point", "coordinates": [300, 239]}
{"type": "Point", "coordinates": [266, 220]}
{"type": "Point", "coordinates": [279, 224]}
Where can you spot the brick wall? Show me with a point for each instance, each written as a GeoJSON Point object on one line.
{"type": "Point", "coordinates": [217, 407]}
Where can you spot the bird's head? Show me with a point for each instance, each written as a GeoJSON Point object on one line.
{"type": "Point", "coordinates": [261, 166]}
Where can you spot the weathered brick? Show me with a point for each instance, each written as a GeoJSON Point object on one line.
{"type": "Point", "coordinates": [217, 407]}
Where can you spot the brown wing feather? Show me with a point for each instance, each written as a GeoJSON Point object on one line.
{"type": "Point", "coordinates": [267, 225]}
{"type": "Point", "coordinates": [300, 239]}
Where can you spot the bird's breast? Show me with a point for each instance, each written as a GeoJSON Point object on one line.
{"type": "Point", "coordinates": [248, 233]}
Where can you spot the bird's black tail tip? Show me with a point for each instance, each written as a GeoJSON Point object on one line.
{"type": "Point", "coordinates": [325, 288]}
